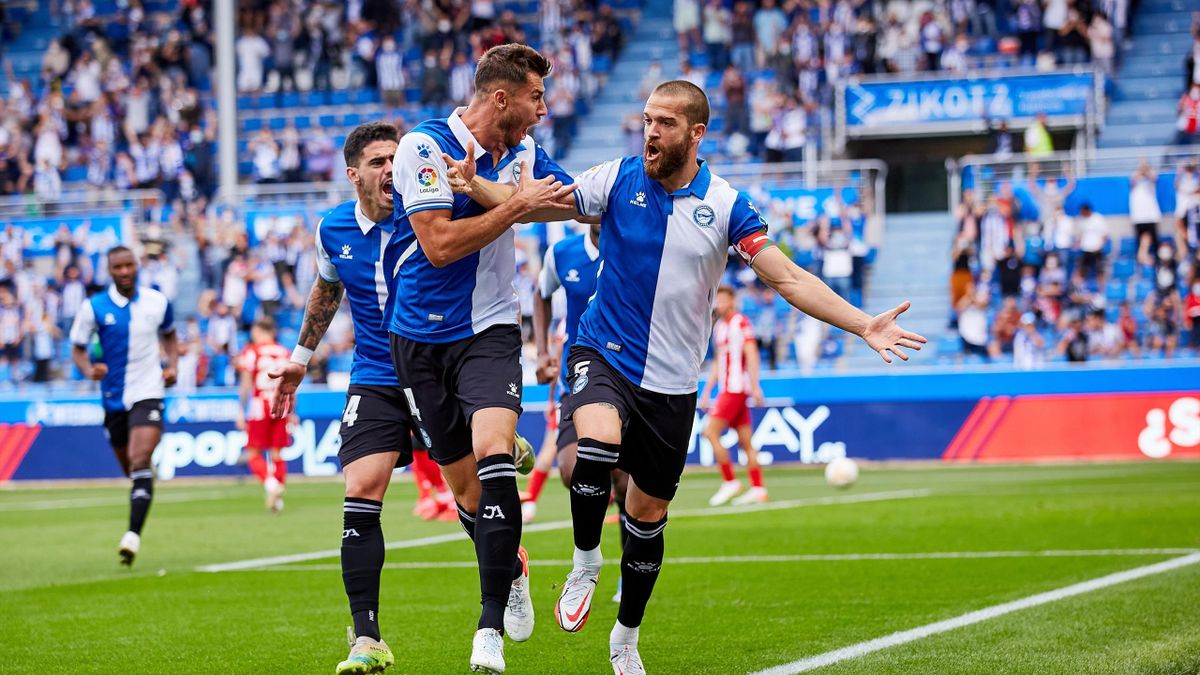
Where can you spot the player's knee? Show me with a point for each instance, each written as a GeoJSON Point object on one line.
{"type": "Point", "coordinates": [646, 512]}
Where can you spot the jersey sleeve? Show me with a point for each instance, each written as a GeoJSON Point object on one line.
{"type": "Point", "coordinates": [544, 166]}
{"type": "Point", "coordinates": [746, 329]}
{"type": "Point", "coordinates": [419, 174]}
{"type": "Point", "coordinates": [167, 325]}
{"type": "Point", "coordinates": [84, 325]}
{"type": "Point", "coordinates": [747, 229]}
{"type": "Point", "coordinates": [247, 359]}
{"type": "Point", "coordinates": [325, 266]}
{"type": "Point", "coordinates": [595, 184]}
{"type": "Point", "coordinates": [548, 278]}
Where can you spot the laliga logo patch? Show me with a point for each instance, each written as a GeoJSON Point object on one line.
{"type": "Point", "coordinates": [704, 215]}
{"type": "Point", "coordinates": [427, 179]}
{"type": "Point", "coordinates": [424, 151]}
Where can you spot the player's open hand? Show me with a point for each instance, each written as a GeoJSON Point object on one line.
{"type": "Point", "coordinates": [99, 370]}
{"type": "Point", "coordinates": [542, 193]}
{"type": "Point", "coordinates": [170, 376]}
{"type": "Point", "coordinates": [460, 172]}
{"type": "Point", "coordinates": [547, 369]}
{"type": "Point", "coordinates": [283, 399]}
{"type": "Point", "coordinates": [885, 335]}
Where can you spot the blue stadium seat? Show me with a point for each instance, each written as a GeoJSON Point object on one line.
{"type": "Point", "coordinates": [311, 99]}
{"type": "Point", "coordinates": [1124, 268]}
{"type": "Point", "coordinates": [289, 99]}
{"type": "Point", "coordinates": [327, 121]}
{"type": "Point", "coordinates": [601, 64]}
{"type": "Point", "coordinates": [277, 122]}
{"type": "Point", "coordinates": [1128, 246]}
{"type": "Point", "coordinates": [1143, 289]}
{"type": "Point", "coordinates": [303, 122]}
{"type": "Point", "coordinates": [351, 119]}
{"type": "Point", "coordinates": [1115, 291]}
{"type": "Point", "coordinates": [252, 124]}
{"type": "Point", "coordinates": [1112, 313]}
{"type": "Point", "coordinates": [338, 97]}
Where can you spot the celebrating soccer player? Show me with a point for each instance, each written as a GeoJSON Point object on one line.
{"type": "Point", "coordinates": [132, 322]}
{"type": "Point", "coordinates": [455, 339]}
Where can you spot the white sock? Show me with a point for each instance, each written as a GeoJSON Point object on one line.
{"type": "Point", "coordinates": [622, 635]}
{"type": "Point", "coordinates": [592, 559]}
{"type": "Point", "coordinates": [270, 483]}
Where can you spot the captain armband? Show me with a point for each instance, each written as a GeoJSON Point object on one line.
{"type": "Point", "coordinates": [750, 246]}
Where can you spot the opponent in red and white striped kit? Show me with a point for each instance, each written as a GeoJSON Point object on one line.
{"type": "Point", "coordinates": [735, 369]}
{"type": "Point", "coordinates": [264, 434]}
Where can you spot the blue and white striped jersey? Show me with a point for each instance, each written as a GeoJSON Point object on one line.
{"type": "Point", "coordinates": [354, 250]}
{"type": "Point", "coordinates": [571, 264]}
{"type": "Point", "coordinates": [477, 292]}
{"type": "Point", "coordinates": [129, 331]}
{"type": "Point", "coordinates": [662, 258]}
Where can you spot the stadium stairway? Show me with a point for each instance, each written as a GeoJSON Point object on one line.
{"type": "Point", "coordinates": [600, 137]}
{"type": "Point", "coordinates": [1142, 108]}
{"type": "Point", "coordinates": [913, 264]}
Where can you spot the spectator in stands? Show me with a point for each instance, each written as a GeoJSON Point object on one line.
{"type": "Point", "coordinates": [1029, 347]}
{"type": "Point", "coordinates": [785, 142]}
{"type": "Point", "coordinates": [770, 22]}
{"type": "Point", "coordinates": [1191, 65]}
{"type": "Point", "coordinates": [1027, 19]}
{"type": "Point", "coordinates": [1163, 322]}
{"type": "Point", "coordinates": [1191, 311]}
{"type": "Point", "coordinates": [252, 53]}
{"type": "Point", "coordinates": [435, 75]}
{"type": "Point", "coordinates": [742, 37]}
{"type": "Point", "coordinates": [234, 287]}
{"type": "Point", "coordinates": [1037, 138]}
{"type": "Point", "coordinates": [972, 322]}
{"type": "Point", "coordinates": [1008, 272]}
{"type": "Point", "coordinates": [291, 164]}
{"type": "Point", "coordinates": [957, 58]}
{"type": "Point", "coordinates": [687, 24]}
{"type": "Point", "coordinates": [319, 157]}
{"type": "Point", "coordinates": [1004, 328]}
{"type": "Point", "coordinates": [1073, 37]}
{"type": "Point", "coordinates": [737, 112]}
{"type": "Point", "coordinates": [1129, 330]}
{"type": "Point", "coordinates": [1093, 237]}
{"type": "Point", "coordinates": [995, 235]}
{"type": "Point", "coordinates": [933, 40]}
{"type": "Point", "coordinates": [608, 39]}
{"type": "Point", "coordinates": [1189, 116]}
{"type": "Point", "coordinates": [1102, 43]}
{"type": "Point", "coordinates": [1166, 275]}
{"type": "Point", "coordinates": [264, 153]}
{"type": "Point", "coordinates": [1105, 339]}
{"type": "Point", "coordinates": [1000, 141]}
{"type": "Point", "coordinates": [717, 37]}
{"type": "Point", "coordinates": [1144, 211]}
{"type": "Point", "coordinates": [462, 79]}
{"type": "Point", "coordinates": [389, 65]}
{"type": "Point", "coordinates": [837, 263]}
{"type": "Point", "coordinates": [1074, 341]}
{"type": "Point", "coordinates": [11, 330]}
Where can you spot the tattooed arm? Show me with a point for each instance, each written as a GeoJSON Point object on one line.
{"type": "Point", "coordinates": [323, 302]}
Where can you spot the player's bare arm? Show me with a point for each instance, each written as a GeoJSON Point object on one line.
{"type": "Point", "coordinates": [810, 295]}
{"type": "Point", "coordinates": [446, 241]}
{"type": "Point", "coordinates": [170, 347]}
{"type": "Point", "coordinates": [323, 301]}
{"type": "Point", "coordinates": [753, 365]}
{"type": "Point", "coordinates": [245, 390]}
{"type": "Point", "coordinates": [547, 364]}
{"type": "Point", "coordinates": [93, 371]}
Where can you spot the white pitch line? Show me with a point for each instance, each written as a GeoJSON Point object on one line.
{"type": "Point", "coordinates": [566, 524]}
{"type": "Point", "coordinates": [809, 557]}
{"type": "Point", "coordinates": [903, 637]}
{"type": "Point", "coordinates": [92, 502]}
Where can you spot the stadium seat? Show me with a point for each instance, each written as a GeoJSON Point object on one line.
{"type": "Point", "coordinates": [252, 124]}
{"type": "Point", "coordinates": [311, 99]}
{"type": "Point", "coordinates": [1142, 289]}
{"type": "Point", "coordinates": [327, 121]}
{"type": "Point", "coordinates": [277, 122]}
{"type": "Point", "coordinates": [1128, 246]}
{"type": "Point", "coordinates": [1115, 291]}
{"type": "Point", "coordinates": [338, 97]}
{"type": "Point", "coordinates": [1124, 268]}
{"type": "Point", "coordinates": [289, 99]}
{"type": "Point", "coordinates": [303, 122]}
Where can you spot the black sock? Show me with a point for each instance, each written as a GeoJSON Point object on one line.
{"type": "Point", "coordinates": [140, 496]}
{"type": "Point", "coordinates": [624, 533]}
{"type": "Point", "coordinates": [497, 535]}
{"type": "Point", "coordinates": [467, 520]}
{"type": "Point", "coordinates": [640, 563]}
{"type": "Point", "coordinates": [591, 481]}
{"type": "Point", "coordinates": [362, 561]}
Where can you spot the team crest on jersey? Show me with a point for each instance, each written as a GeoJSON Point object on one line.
{"type": "Point", "coordinates": [704, 215]}
{"type": "Point", "coordinates": [572, 275]}
{"type": "Point", "coordinates": [110, 320]}
{"type": "Point", "coordinates": [516, 172]}
{"type": "Point", "coordinates": [639, 200]}
{"type": "Point", "coordinates": [427, 179]}
{"type": "Point", "coordinates": [424, 151]}
{"type": "Point", "coordinates": [346, 255]}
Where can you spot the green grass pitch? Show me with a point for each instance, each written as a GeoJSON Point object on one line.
{"type": "Point", "coordinates": [740, 591]}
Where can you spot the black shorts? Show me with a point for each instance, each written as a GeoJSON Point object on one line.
{"type": "Point", "coordinates": [375, 420]}
{"type": "Point", "coordinates": [1147, 229]}
{"type": "Point", "coordinates": [446, 383]}
{"type": "Point", "coordinates": [566, 428]}
{"type": "Point", "coordinates": [657, 428]}
{"type": "Point", "coordinates": [148, 413]}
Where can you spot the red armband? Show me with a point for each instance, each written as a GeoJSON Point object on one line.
{"type": "Point", "coordinates": [750, 246]}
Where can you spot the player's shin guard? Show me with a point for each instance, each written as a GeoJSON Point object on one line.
{"type": "Point", "coordinates": [640, 564]}
{"type": "Point", "coordinates": [141, 493]}
{"type": "Point", "coordinates": [591, 482]}
{"type": "Point", "coordinates": [362, 561]}
{"type": "Point", "coordinates": [497, 535]}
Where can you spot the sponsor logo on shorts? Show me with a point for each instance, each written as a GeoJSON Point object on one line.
{"type": "Point", "coordinates": [512, 390]}
{"type": "Point", "coordinates": [154, 416]}
{"type": "Point", "coordinates": [437, 317]}
{"type": "Point", "coordinates": [426, 439]}
{"type": "Point", "coordinates": [704, 215]}
{"type": "Point", "coordinates": [612, 346]}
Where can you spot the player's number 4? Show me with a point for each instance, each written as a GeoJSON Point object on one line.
{"type": "Point", "coordinates": [350, 415]}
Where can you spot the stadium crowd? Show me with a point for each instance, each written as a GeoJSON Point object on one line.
{"type": "Point", "coordinates": [772, 67]}
{"type": "Point", "coordinates": [1060, 285]}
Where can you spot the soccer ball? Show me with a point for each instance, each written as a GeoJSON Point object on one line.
{"type": "Point", "coordinates": [841, 472]}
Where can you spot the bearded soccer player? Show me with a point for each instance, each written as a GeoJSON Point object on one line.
{"type": "Point", "coordinates": [136, 326]}
{"type": "Point", "coordinates": [668, 223]}
{"type": "Point", "coordinates": [265, 435]}
{"type": "Point", "coordinates": [735, 368]}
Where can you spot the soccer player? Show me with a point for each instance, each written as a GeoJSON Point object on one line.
{"type": "Point", "coordinates": [455, 340]}
{"type": "Point", "coordinates": [571, 265]}
{"type": "Point", "coordinates": [264, 434]}
{"type": "Point", "coordinates": [136, 326]}
{"type": "Point", "coordinates": [735, 367]}
{"type": "Point", "coordinates": [668, 223]}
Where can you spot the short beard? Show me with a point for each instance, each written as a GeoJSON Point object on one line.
{"type": "Point", "coordinates": [510, 127]}
{"type": "Point", "coordinates": [670, 160]}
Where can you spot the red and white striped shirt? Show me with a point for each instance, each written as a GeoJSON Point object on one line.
{"type": "Point", "coordinates": [259, 360]}
{"type": "Point", "coordinates": [730, 337]}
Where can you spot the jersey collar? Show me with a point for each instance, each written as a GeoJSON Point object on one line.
{"type": "Point", "coordinates": [462, 134]}
{"type": "Point", "coordinates": [699, 185]}
{"type": "Point", "coordinates": [118, 299]}
{"type": "Point", "coordinates": [592, 251]}
{"type": "Point", "coordinates": [364, 223]}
